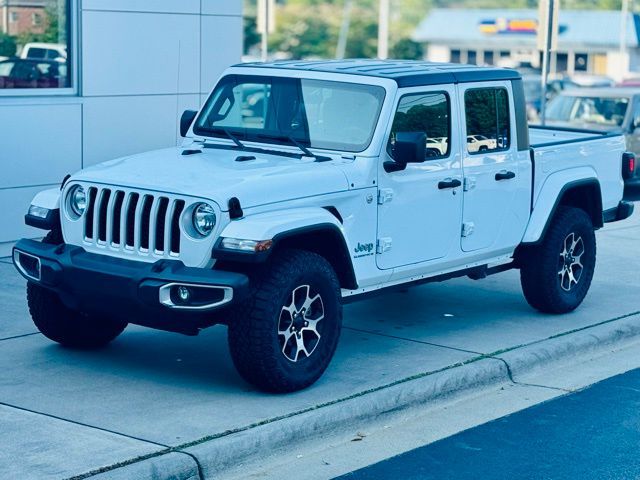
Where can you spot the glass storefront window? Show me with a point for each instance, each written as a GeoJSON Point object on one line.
{"type": "Point", "coordinates": [34, 44]}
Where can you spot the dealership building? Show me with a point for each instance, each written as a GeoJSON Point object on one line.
{"type": "Point", "coordinates": [588, 40]}
{"type": "Point", "coordinates": [131, 68]}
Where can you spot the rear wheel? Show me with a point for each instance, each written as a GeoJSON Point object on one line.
{"type": "Point", "coordinates": [63, 325]}
{"type": "Point", "coordinates": [284, 337]}
{"type": "Point", "coordinates": [556, 275]}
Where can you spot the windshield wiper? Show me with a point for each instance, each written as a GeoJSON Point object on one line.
{"type": "Point", "coordinates": [227, 133]}
{"type": "Point", "coordinates": [233, 138]}
{"type": "Point", "coordinates": [296, 143]}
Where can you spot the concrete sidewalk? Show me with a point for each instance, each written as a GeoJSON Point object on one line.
{"type": "Point", "coordinates": [156, 404]}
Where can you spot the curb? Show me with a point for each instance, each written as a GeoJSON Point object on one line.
{"type": "Point", "coordinates": [532, 357]}
{"type": "Point", "coordinates": [217, 453]}
{"type": "Point", "coordinates": [168, 466]}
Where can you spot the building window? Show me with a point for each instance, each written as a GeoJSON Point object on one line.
{"type": "Point", "coordinates": [455, 56]}
{"type": "Point", "coordinates": [488, 58]}
{"type": "Point", "coordinates": [562, 62]}
{"type": "Point", "coordinates": [582, 62]}
{"type": "Point", "coordinates": [37, 55]}
{"type": "Point", "coordinates": [472, 57]}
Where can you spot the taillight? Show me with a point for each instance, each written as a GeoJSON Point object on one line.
{"type": "Point", "coordinates": [628, 165]}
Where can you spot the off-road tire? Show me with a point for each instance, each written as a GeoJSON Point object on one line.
{"type": "Point", "coordinates": [65, 326]}
{"type": "Point", "coordinates": [541, 265]}
{"type": "Point", "coordinates": [254, 338]}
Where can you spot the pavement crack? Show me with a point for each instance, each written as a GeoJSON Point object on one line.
{"type": "Point", "coordinates": [20, 336]}
{"type": "Point", "coordinates": [195, 459]}
{"type": "Point", "coordinates": [422, 342]}
{"type": "Point", "coordinates": [559, 335]}
{"type": "Point", "coordinates": [81, 424]}
{"type": "Point", "coordinates": [525, 384]}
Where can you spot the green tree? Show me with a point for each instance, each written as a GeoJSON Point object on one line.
{"type": "Point", "coordinates": [310, 28]}
{"type": "Point", "coordinates": [407, 49]}
{"type": "Point", "coordinates": [8, 45]}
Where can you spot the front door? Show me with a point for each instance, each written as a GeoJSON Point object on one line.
{"type": "Point", "coordinates": [420, 208]}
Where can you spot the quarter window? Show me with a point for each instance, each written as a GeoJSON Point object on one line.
{"type": "Point", "coordinates": [487, 112]}
{"type": "Point", "coordinates": [427, 113]}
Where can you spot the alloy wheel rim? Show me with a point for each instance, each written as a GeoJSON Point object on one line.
{"type": "Point", "coordinates": [298, 331]}
{"type": "Point", "coordinates": [570, 266]}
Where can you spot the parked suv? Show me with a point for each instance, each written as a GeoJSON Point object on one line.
{"type": "Point", "coordinates": [269, 219]}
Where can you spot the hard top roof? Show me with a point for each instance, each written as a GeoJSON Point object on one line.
{"type": "Point", "coordinates": [406, 73]}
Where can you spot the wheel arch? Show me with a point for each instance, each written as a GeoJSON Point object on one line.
{"type": "Point", "coordinates": [317, 230]}
{"type": "Point", "coordinates": [327, 241]}
{"type": "Point", "coordinates": [584, 193]}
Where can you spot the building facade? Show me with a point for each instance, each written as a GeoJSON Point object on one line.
{"type": "Point", "coordinates": [589, 41]}
{"type": "Point", "coordinates": [131, 68]}
{"type": "Point", "coordinates": [20, 16]}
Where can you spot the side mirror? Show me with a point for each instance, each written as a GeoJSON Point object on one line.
{"type": "Point", "coordinates": [410, 147]}
{"type": "Point", "coordinates": [186, 120]}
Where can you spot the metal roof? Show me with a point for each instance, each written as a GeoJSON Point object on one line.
{"type": "Point", "coordinates": [406, 73]}
{"type": "Point", "coordinates": [578, 28]}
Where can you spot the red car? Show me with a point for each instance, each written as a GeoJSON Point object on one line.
{"type": "Point", "coordinates": [25, 73]}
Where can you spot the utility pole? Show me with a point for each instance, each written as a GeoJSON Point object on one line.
{"type": "Point", "coordinates": [266, 24]}
{"type": "Point", "coordinates": [547, 41]}
{"type": "Point", "coordinates": [383, 30]}
{"type": "Point", "coordinates": [344, 30]}
{"type": "Point", "coordinates": [624, 16]}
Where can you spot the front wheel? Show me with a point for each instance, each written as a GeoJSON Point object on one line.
{"type": "Point", "coordinates": [68, 327]}
{"type": "Point", "coordinates": [556, 275]}
{"type": "Point", "coordinates": [284, 337]}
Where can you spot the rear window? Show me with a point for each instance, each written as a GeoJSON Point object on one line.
{"type": "Point", "coordinates": [487, 120]}
{"type": "Point", "coordinates": [34, 52]}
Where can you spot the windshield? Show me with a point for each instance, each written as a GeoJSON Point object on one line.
{"type": "Point", "coordinates": [315, 113]}
{"type": "Point", "coordinates": [604, 111]}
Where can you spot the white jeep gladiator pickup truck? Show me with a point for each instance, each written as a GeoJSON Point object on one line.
{"type": "Point", "coordinates": [301, 186]}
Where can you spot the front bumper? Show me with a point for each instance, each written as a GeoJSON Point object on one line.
{"type": "Point", "coordinates": [137, 292]}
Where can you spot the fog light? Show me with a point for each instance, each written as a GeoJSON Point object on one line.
{"type": "Point", "coordinates": [184, 294]}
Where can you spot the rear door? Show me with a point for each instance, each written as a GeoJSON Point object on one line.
{"type": "Point", "coordinates": [496, 202]}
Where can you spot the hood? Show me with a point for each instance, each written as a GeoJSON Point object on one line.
{"type": "Point", "coordinates": [215, 174]}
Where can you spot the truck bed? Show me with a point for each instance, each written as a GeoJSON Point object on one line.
{"type": "Point", "coordinates": [562, 154]}
{"type": "Point", "coordinates": [540, 136]}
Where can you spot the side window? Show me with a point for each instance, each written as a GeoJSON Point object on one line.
{"type": "Point", "coordinates": [487, 112]}
{"type": "Point", "coordinates": [425, 112]}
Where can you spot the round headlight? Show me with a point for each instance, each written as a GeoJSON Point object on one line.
{"type": "Point", "coordinates": [77, 200]}
{"type": "Point", "coordinates": [204, 219]}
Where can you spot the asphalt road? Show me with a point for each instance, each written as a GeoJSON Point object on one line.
{"type": "Point", "coordinates": [592, 434]}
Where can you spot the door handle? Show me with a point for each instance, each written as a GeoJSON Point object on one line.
{"type": "Point", "coordinates": [449, 183]}
{"type": "Point", "coordinates": [504, 175]}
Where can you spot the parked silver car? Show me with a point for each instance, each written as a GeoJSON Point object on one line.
{"type": "Point", "coordinates": [615, 110]}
